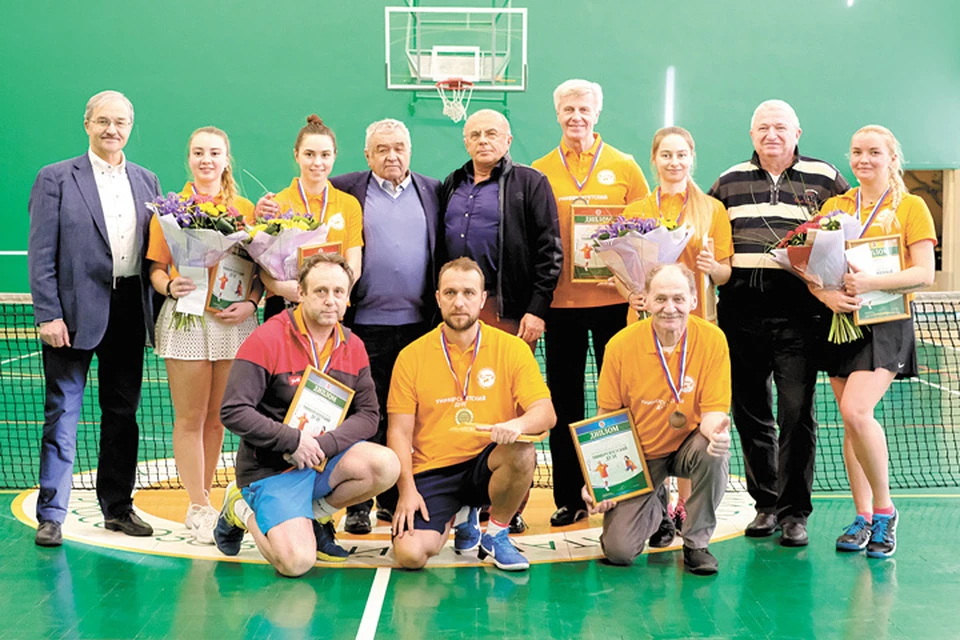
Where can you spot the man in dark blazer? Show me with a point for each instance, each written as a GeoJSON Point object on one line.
{"type": "Point", "coordinates": [393, 303]}
{"type": "Point", "coordinates": [88, 235]}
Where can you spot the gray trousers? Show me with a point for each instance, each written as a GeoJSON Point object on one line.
{"type": "Point", "coordinates": [628, 526]}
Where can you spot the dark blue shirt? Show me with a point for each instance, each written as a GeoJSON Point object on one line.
{"type": "Point", "coordinates": [472, 224]}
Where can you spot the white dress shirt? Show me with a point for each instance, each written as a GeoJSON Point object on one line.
{"type": "Point", "coordinates": [389, 188]}
{"type": "Point", "coordinates": [119, 213]}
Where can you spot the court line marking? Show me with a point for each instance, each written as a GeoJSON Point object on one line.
{"type": "Point", "coordinates": [937, 386]}
{"type": "Point", "coordinates": [29, 355]}
{"type": "Point", "coordinates": [371, 612]}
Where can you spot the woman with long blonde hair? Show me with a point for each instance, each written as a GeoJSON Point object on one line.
{"type": "Point", "coordinates": [861, 371]}
{"type": "Point", "coordinates": [198, 357]}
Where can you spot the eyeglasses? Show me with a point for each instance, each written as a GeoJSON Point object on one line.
{"type": "Point", "coordinates": [119, 123]}
{"type": "Point", "coordinates": [490, 134]}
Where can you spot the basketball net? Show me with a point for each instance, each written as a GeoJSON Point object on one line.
{"type": "Point", "coordinates": [455, 94]}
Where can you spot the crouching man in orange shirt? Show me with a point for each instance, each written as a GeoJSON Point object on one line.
{"type": "Point", "coordinates": [463, 373]}
{"type": "Point", "coordinates": [672, 371]}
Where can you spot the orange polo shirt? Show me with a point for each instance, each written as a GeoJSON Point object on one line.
{"type": "Point", "coordinates": [632, 377]}
{"type": "Point", "coordinates": [670, 206]}
{"type": "Point", "coordinates": [504, 381]}
{"type": "Point", "coordinates": [616, 179]}
{"type": "Point", "coordinates": [157, 249]}
{"type": "Point", "coordinates": [343, 216]}
{"type": "Point", "coordinates": [911, 220]}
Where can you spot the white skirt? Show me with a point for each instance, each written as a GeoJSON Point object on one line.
{"type": "Point", "coordinates": [212, 340]}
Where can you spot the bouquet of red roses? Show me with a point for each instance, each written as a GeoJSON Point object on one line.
{"type": "Point", "coordinates": [814, 251]}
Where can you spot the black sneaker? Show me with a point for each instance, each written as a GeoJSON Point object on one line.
{"type": "Point", "coordinates": [327, 548]}
{"type": "Point", "coordinates": [856, 536]}
{"type": "Point", "coordinates": [385, 514]}
{"type": "Point", "coordinates": [883, 536]}
{"type": "Point", "coordinates": [664, 535]}
{"type": "Point", "coordinates": [699, 561]}
{"type": "Point", "coordinates": [565, 515]}
{"type": "Point", "coordinates": [357, 522]}
{"type": "Point", "coordinates": [517, 524]}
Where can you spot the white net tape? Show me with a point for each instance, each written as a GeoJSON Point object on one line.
{"type": "Point", "coordinates": [456, 99]}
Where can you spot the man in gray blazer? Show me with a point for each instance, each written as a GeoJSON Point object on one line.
{"type": "Point", "coordinates": [393, 303]}
{"type": "Point", "coordinates": [88, 236]}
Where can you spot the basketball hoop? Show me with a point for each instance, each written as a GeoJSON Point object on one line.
{"type": "Point", "coordinates": [452, 92]}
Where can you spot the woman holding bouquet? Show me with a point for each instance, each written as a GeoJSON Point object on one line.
{"type": "Point", "coordinates": [198, 356]}
{"type": "Point", "coordinates": [315, 150]}
{"type": "Point", "coordinates": [861, 371]}
{"type": "Point", "coordinates": [678, 200]}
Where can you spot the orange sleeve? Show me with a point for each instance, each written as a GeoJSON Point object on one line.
{"type": "Point", "coordinates": [353, 218]}
{"type": "Point", "coordinates": [608, 385]}
{"type": "Point", "coordinates": [918, 224]}
{"type": "Point", "coordinates": [721, 232]}
{"type": "Point", "coordinates": [402, 397]}
{"type": "Point", "coordinates": [157, 249]}
{"type": "Point", "coordinates": [528, 384]}
{"type": "Point", "coordinates": [715, 391]}
{"type": "Point", "coordinates": [638, 187]}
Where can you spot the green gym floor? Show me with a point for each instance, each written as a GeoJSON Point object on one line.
{"type": "Point", "coordinates": [762, 591]}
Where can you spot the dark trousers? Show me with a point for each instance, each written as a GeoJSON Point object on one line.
{"type": "Point", "coordinates": [384, 343]}
{"type": "Point", "coordinates": [784, 351]}
{"type": "Point", "coordinates": [566, 354]}
{"type": "Point", "coordinates": [120, 371]}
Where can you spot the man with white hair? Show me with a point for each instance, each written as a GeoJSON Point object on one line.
{"type": "Point", "coordinates": [771, 320]}
{"type": "Point", "coordinates": [91, 295]}
{"type": "Point", "coordinates": [582, 169]}
{"type": "Point", "coordinates": [669, 365]}
{"type": "Point", "coordinates": [393, 302]}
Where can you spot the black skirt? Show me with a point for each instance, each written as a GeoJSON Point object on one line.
{"type": "Point", "coordinates": [887, 345]}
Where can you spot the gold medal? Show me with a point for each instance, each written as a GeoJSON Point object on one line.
{"type": "Point", "coordinates": [677, 420]}
{"type": "Point", "coordinates": [464, 416]}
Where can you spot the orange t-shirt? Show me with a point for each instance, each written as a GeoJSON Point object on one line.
{"type": "Point", "coordinates": [343, 216]}
{"type": "Point", "coordinates": [912, 220]}
{"type": "Point", "coordinates": [670, 206]}
{"type": "Point", "coordinates": [615, 180]}
{"type": "Point", "coordinates": [157, 249]}
{"type": "Point", "coordinates": [632, 377]}
{"type": "Point", "coordinates": [504, 381]}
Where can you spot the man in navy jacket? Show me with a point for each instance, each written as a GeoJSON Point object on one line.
{"type": "Point", "coordinates": [88, 235]}
{"type": "Point", "coordinates": [393, 302]}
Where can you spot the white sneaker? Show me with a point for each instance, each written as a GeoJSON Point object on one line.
{"type": "Point", "coordinates": [200, 522]}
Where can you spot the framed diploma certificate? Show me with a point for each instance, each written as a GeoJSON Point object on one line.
{"type": "Point", "coordinates": [585, 263]}
{"type": "Point", "coordinates": [320, 404]}
{"type": "Point", "coordinates": [878, 256]}
{"type": "Point", "coordinates": [307, 250]}
{"type": "Point", "coordinates": [230, 281]}
{"type": "Point", "coordinates": [610, 457]}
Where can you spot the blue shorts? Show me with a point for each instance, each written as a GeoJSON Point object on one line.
{"type": "Point", "coordinates": [289, 495]}
{"type": "Point", "coordinates": [447, 489]}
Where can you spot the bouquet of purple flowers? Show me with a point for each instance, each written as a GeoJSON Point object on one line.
{"type": "Point", "coordinates": [274, 242]}
{"type": "Point", "coordinates": [198, 232]}
{"type": "Point", "coordinates": [631, 247]}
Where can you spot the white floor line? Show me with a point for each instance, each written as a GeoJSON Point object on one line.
{"type": "Point", "coordinates": [29, 355]}
{"type": "Point", "coordinates": [371, 612]}
{"type": "Point", "coordinates": [936, 386]}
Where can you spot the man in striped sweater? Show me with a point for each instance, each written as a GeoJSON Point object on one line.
{"type": "Point", "coordinates": [771, 320]}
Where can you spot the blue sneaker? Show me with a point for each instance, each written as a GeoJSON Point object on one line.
{"type": "Point", "coordinates": [506, 556]}
{"type": "Point", "coordinates": [466, 536]}
{"type": "Point", "coordinates": [855, 537]}
{"type": "Point", "coordinates": [228, 534]}
{"type": "Point", "coordinates": [883, 536]}
{"type": "Point", "coordinates": [327, 548]}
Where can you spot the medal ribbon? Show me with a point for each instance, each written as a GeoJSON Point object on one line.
{"type": "Point", "coordinates": [674, 388]}
{"type": "Point", "coordinates": [316, 354]}
{"type": "Point", "coordinates": [873, 214]}
{"type": "Point", "coordinates": [306, 203]}
{"type": "Point", "coordinates": [682, 207]}
{"type": "Point", "coordinates": [596, 158]}
{"type": "Point", "coordinates": [464, 388]}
